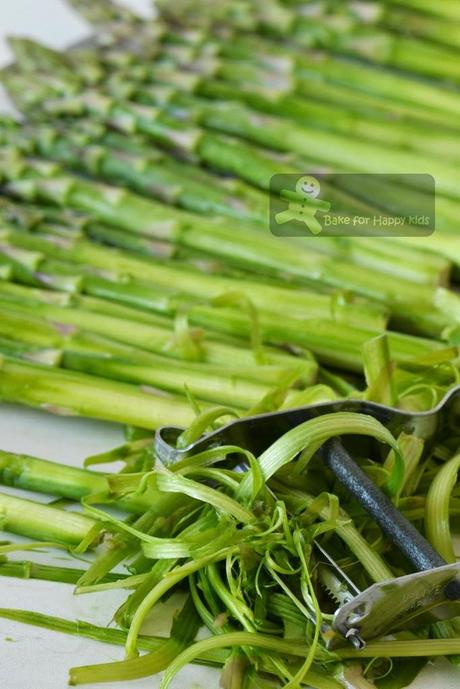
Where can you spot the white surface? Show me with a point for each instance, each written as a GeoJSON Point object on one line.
{"type": "Point", "coordinates": [30, 657]}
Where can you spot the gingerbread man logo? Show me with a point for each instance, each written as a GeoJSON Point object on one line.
{"type": "Point", "coordinates": [304, 204]}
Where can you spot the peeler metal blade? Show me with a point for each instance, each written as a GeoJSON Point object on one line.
{"type": "Point", "coordinates": [422, 597]}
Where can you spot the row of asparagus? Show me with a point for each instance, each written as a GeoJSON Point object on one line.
{"type": "Point", "coordinates": [170, 256]}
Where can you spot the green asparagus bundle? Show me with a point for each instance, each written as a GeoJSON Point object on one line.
{"type": "Point", "coordinates": [132, 213]}
{"type": "Point", "coordinates": [148, 177]}
{"type": "Point", "coordinates": [162, 123]}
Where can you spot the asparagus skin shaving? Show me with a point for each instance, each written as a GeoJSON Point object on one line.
{"type": "Point", "coordinates": [92, 631]}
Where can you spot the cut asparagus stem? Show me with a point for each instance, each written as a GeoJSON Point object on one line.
{"type": "Point", "coordinates": [31, 473]}
{"type": "Point", "coordinates": [42, 522]}
{"type": "Point", "coordinates": [103, 634]}
{"type": "Point", "coordinates": [74, 394]}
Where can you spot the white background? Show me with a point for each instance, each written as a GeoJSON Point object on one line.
{"type": "Point", "coordinates": [33, 658]}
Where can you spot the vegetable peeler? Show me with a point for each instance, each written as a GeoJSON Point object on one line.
{"type": "Point", "coordinates": [383, 607]}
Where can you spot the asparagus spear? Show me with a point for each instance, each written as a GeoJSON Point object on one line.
{"type": "Point", "coordinates": [106, 201]}
{"type": "Point", "coordinates": [431, 28]}
{"type": "Point", "coordinates": [148, 171]}
{"type": "Point", "coordinates": [353, 37]}
{"type": "Point", "coordinates": [25, 569]}
{"type": "Point", "coordinates": [74, 394]}
{"type": "Point", "coordinates": [336, 118]}
{"type": "Point", "coordinates": [271, 132]}
{"type": "Point", "coordinates": [448, 9]}
{"type": "Point", "coordinates": [149, 178]}
{"type": "Point", "coordinates": [43, 476]}
{"type": "Point", "coordinates": [309, 70]}
{"type": "Point", "coordinates": [337, 345]}
{"type": "Point", "coordinates": [205, 382]}
{"type": "Point", "coordinates": [344, 27]}
{"type": "Point", "coordinates": [333, 342]}
{"type": "Point", "coordinates": [219, 352]}
{"type": "Point", "coordinates": [42, 522]}
{"type": "Point", "coordinates": [251, 89]}
{"type": "Point", "coordinates": [304, 303]}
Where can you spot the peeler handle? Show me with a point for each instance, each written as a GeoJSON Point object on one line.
{"type": "Point", "coordinates": [403, 534]}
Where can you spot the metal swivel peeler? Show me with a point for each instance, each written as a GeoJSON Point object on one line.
{"type": "Point", "coordinates": [433, 589]}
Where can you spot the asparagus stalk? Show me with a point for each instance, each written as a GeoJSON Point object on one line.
{"type": "Point", "coordinates": [431, 319]}
{"type": "Point", "coordinates": [223, 154]}
{"type": "Point", "coordinates": [339, 28]}
{"type": "Point", "coordinates": [448, 9]}
{"type": "Point", "coordinates": [152, 179]}
{"type": "Point", "coordinates": [266, 297]}
{"type": "Point", "coordinates": [392, 89]}
{"type": "Point", "coordinates": [274, 133]}
{"type": "Point", "coordinates": [43, 476]}
{"type": "Point", "coordinates": [341, 120]}
{"type": "Point", "coordinates": [431, 28]}
{"type": "Point", "coordinates": [271, 132]}
{"type": "Point", "coordinates": [244, 75]}
{"type": "Point", "coordinates": [25, 569]}
{"type": "Point", "coordinates": [336, 118]}
{"type": "Point", "coordinates": [42, 522]}
{"type": "Point", "coordinates": [74, 394]}
{"type": "Point", "coordinates": [256, 83]}
{"type": "Point", "coordinates": [276, 71]}
{"type": "Point", "coordinates": [61, 331]}
{"type": "Point", "coordinates": [214, 388]}
{"type": "Point", "coordinates": [379, 46]}
{"type": "Point", "coordinates": [153, 173]}
{"type": "Point", "coordinates": [342, 29]}
{"type": "Point", "coordinates": [332, 343]}
{"type": "Point", "coordinates": [30, 352]}
{"type": "Point", "coordinates": [201, 380]}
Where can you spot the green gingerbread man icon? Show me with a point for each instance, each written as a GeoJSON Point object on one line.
{"type": "Point", "coordinates": [304, 210]}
